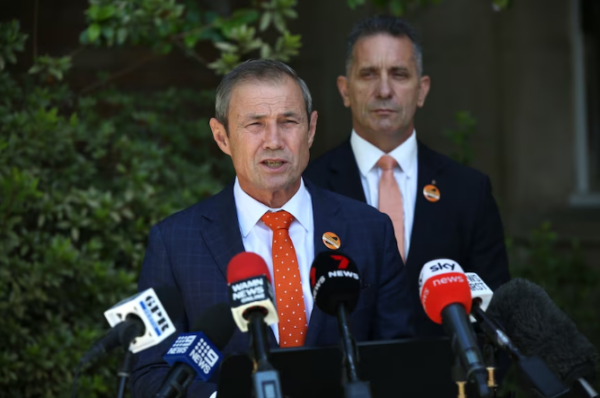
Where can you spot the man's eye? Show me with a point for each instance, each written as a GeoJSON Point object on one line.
{"type": "Point", "coordinates": [290, 122]}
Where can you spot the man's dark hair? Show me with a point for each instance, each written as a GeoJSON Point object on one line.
{"type": "Point", "coordinates": [393, 26]}
{"type": "Point", "coordinates": [262, 70]}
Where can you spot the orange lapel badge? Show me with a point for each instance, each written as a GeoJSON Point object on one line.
{"type": "Point", "coordinates": [331, 240]}
{"type": "Point", "coordinates": [431, 193]}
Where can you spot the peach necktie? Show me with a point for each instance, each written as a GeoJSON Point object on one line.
{"type": "Point", "coordinates": [288, 287]}
{"type": "Point", "coordinates": [390, 199]}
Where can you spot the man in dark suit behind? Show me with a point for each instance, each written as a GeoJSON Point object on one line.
{"type": "Point", "coordinates": [265, 123]}
{"type": "Point", "coordinates": [440, 209]}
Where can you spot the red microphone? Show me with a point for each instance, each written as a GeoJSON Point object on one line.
{"type": "Point", "coordinates": [250, 289]}
{"type": "Point", "coordinates": [253, 309]}
{"type": "Point", "coordinates": [446, 297]}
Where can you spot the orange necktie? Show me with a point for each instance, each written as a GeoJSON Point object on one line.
{"type": "Point", "coordinates": [288, 287]}
{"type": "Point", "coordinates": [390, 199]}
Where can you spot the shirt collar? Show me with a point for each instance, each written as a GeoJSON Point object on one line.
{"type": "Point", "coordinates": [367, 154]}
{"type": "Point", "coordinates": [250, 210]}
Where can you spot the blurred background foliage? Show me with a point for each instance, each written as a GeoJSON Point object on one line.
{"type": "Point", "coordinates": [85, 173]}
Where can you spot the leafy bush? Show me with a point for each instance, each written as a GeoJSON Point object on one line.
{"type": "Point", "coordinates": [84, 176]}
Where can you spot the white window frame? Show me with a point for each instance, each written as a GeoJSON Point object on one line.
{"type": "Point", "coordinates": [582, 197]}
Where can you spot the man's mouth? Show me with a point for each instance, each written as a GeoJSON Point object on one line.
{"type": "Point", "coordinates": [273, 164]}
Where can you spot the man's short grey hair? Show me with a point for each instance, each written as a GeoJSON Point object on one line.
{"type": "Point", "coordinates": [261, 70]}
{"type": "Point", "coordinates": [393, 26]}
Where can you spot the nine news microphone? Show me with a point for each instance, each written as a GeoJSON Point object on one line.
{"type": "Point", "coordinates": [196, 355]}
{"type": "Point", "coordinates": [252, 307]}
{"type": "Point", "coordinates": [335, 284]}
{"type": "Point", "coordinates": [540, 381]}
{"type": "Point", "coordinates": [539, 328]}
{"type": "Point", "coordinates": [446, 298]}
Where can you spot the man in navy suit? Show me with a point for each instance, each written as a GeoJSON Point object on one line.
{"type": "Point", "coordinates": [440, 209]}
{"type": "Point", "coordinates": [265, 123]}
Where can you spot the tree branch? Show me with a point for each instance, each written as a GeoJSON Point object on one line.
{"type": "Point", "coordinates": [193, 54]}
{"type": "Point", "coordinates": [120, 73]}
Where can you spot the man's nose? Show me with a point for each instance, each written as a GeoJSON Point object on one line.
{"type": "Point", "coordinates": [273, 136]}
{"type": "Point", "coordinates": [384, 89]}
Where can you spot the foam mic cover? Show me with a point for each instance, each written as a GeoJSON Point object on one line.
{"type": "Point", "coordinates": [250, 289]}
{"type": "Point", "coordinates": [441, 283]}
{"type": "Point", "coordinates": [538, 327]}
{"type": "Point", "coordinates": [334, 279]}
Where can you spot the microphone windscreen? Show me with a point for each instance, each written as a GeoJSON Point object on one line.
{"type": "Point", "coordinates": [217, 323]}
{"type": "Point", "coordinates": [538, 327]}
{"type": "Point", "coordinates": [443, 282]}
{"type": "Point", "coordinates": [334, 279]}
{"type": "Point", "coordinates": [246, 265]}
{"type": "Point", "coordinates": [171, 300]}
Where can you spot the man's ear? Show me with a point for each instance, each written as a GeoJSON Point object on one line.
{"type": "Point", "coordinates": [342, 83]}
{"type": "Point", "coordinates": [425, 84]}
{"type": "Point", "coordinates": [220, 135]}
{"type": "Point", "coordinates": [312, 128]}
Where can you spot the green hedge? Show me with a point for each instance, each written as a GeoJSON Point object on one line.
{"type": "Point", "coordinates": [79, 190]}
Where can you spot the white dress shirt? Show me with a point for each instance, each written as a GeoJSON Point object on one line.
{"type": "Point", "coordinates": [258, 238]}
{"type": "Point", "coordinates": [367, 155]}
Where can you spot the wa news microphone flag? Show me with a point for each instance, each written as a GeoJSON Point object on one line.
{"type": "Point", "coordinates": [249, 288]}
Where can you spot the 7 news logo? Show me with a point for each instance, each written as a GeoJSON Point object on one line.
{"type": "Point", "coordinates": [204, 356]}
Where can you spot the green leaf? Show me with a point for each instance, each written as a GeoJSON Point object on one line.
{"type": "Point", "coordinates": [105, 12]}
{"type": "Point", "coordinates": [226, 47]}
{"type": "Point", "coordinates": [190, 41]}
{"type": "Point", "coordinates": [355, 3]}
{"type": "Point", "coordinates": [94, 32]}
{"type": "Point", "coordinates": [279, 22]}
{"type": "Point", "coordinates": [265, 21]}
{"type": "Point", "coordinates": [121, 35]}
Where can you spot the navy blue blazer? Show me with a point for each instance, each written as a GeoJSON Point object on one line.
{"type": "Point", "coordinates": [464, 225]}
{"type": "Point", "coordinates": [191, 250]}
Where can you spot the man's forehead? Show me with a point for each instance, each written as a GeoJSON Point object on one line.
{"type": "Point", "coordinates": [252, 98]}
{"type": "Point", "coordinates": [382, 47]}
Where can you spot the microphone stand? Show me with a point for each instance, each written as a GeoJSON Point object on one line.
{"type": "Point", "coordinates": [265, 378]}
{"type": "Point", "coordinates": [124, 373]}
{"type": "Point", "coordinates": [353, 386]}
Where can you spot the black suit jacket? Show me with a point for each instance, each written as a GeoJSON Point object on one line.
{"type": "Point", "coordinates": [464, 225]}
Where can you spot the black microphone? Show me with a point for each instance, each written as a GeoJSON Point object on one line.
{"type": "Point", "coordinates": [540, 381]}
{"type": "Point", "coordinates": [335, 284]}
{"type": "Point", "coordinates": [196, 355]}
{"type": "Point", "coordinates": [539, 328]}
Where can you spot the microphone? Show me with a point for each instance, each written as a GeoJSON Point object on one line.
{"type": "Point", "coordinates": [252, 307]}
{"type": "Point", "coordinates": [540, 328]}
{"type": "Point", "coordinates": [335, 284]}
{"type": "Point", "coordinates": [196, 355]}
{"type": "Point", "coordinates": [540, 380]}
{"type": "Point", "coordinates": [446, 298]}
{"type": "Point", "coordinates": [140, 321]}
{"type": "Point", "coordinates": [480, 291]}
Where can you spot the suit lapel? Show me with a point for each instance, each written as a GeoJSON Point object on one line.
{"type": "Point", "coordinates": [326, 219]}
{"type": "Point", "coordinates": [430, 165]}
{"type": "Point", "coordinates": [221, 230]}
{"type": "Point", "coordinates": [345, 176]}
